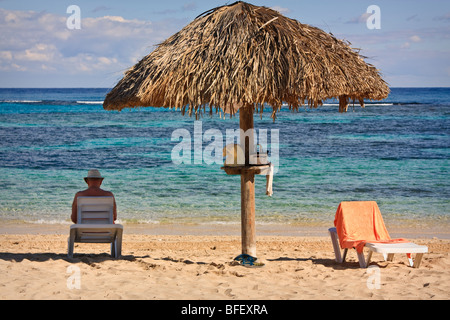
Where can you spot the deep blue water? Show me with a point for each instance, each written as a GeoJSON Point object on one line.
{"type": "Point", "coordinates": [395, 152]}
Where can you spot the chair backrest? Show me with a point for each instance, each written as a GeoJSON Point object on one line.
{"type": "Point", "coordinates": [95, 210]}
{"type": "Point", "coordinates": [360, 220]}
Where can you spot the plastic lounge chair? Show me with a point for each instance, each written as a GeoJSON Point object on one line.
{"type": "Point", "coordinates": [360, 225]}
{"type": "Point", "coordinates": [95, 224]}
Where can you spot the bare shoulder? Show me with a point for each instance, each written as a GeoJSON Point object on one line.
{"type": "Point", "coordinates": [108, 193]}
{"type": "Point", "coordinates": [81, 193]}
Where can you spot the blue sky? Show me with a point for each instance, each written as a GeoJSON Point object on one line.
{"type": "Point", "coordinates": [37, 49]}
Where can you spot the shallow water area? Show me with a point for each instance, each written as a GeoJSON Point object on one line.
{"type": "Point", "coordinates": [395, 152]}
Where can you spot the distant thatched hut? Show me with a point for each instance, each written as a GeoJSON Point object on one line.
{"type": "Point", "coordinates": [238, 55]}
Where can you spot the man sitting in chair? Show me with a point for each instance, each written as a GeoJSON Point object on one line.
{"type": "Point", "coordinates": [94, 181]}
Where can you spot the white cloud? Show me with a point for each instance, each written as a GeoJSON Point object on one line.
{"type": "Point", "coordinates": [405, 45]}
{"type": "Point", "coordinates": [415, 38]}
{"type": "Point", "coordinates": [39, 52]}
{"type": "Point", "coordinates": [6, 55]}
{"type": "Point", "coordinates": [18, 68]}
{"type": "Point", "coordinates": [360, 19]}
{"type": "Point", "coordinates": [11, 18]}
{"type": "Point", "coordinates": [12, 67]}
{"type": "Point", "coordinates": [280, 9]}
{"type": "Point", "coordinates": [41, 42]}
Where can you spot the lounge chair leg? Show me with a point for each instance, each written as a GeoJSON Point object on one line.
{"type": "Point", "coordinates": [417, 260]}
{"type": "Point", "coordinates": [119, 243]}
{"type": "Point", "coordinates": [70, 245]}
{"type": "Point", "coordinates": [113, 248]}
{"type": "Point", "coordinates": [390, 257]}
{"type": "Point", "coordinates": [335, 242]}
{"type": "Point", "coordinates": [344, 256]}
{"type": "Point", "coordinates": [362, 260]}
{"type": "Point", "coordinates": [118, 248]}
{"type": "Point", "coordinates": [369, 256]}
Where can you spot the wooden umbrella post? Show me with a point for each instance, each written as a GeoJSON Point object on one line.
{"type": "Point", "coordinates": [247, 187]}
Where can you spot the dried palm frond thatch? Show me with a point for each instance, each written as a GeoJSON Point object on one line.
{"type": "Point", "coordinates": [240, 54]}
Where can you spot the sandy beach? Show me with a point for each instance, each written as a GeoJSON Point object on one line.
{"type": "Point", "coordinates": [182, 266]}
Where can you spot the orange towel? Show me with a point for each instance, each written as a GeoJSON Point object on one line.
{"type": "Point", "coordinates": [360, 222]}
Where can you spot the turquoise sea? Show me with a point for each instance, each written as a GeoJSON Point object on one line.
{"type": "Point", "coordinates": [395, 152]}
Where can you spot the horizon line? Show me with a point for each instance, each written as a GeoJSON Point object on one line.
{"type": "Point", "coordinates": [393, 87]}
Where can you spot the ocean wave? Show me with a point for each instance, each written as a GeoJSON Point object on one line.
{"type": "Point", "coordinates": [367, 104]}
{"type": "Point", "coordinates": [21, 101]}
{"type": "Point", "coordinates": [90, 102]}
{"type": "Point", "coordinates": [384, 104]}
{"type": "Point", "coordinates": [66, 221]}
{"type": "Point", "coordinates": [49, 221]}
{"type": "Point", "coordinates": [52, 102]}
{"type": "Point", "coordinates": [393, 103]}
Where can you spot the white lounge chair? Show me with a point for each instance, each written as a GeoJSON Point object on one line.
{"type": "Point", "coordinates": [387, 249]}
{"type": "Point", "coordinates": [95, 224]}
{"type": "Point", "coordinates": [361, 225]}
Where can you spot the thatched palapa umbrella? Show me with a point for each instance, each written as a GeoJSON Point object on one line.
{"type": "Point", "coordinates": [240, 58]}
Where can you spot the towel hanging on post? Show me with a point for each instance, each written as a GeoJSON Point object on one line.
{"type": "Point", "coordinates": [269, 182]}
